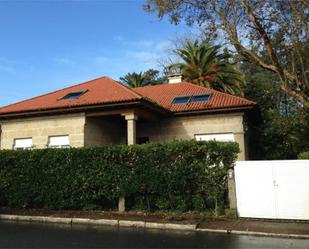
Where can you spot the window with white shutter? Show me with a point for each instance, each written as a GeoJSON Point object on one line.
{"type": "Point", "coordinates": [23, 143]}
{"type": "Point", "coordinates": [223, 137]}
{"type": "Point", "coordinates": [59, 142]}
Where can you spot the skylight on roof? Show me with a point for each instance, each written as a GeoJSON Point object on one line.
{"type": "Point", "coordinates": [74, 95]}
{"type": "Point", "coordinates": [200, 98]}
{"type": "Point", "coordinates": [191, 99]}
{"type": "Point", "coordinates": [181, 100]}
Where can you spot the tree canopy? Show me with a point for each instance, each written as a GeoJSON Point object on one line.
{"type": "Point", "coordinates": [271, 34]}
{"type": "Point", "coordinates": [204, 64]}
{"type": "Point", "coordinates": [150, 77]}
{"type": "Point", "coordinates": [284, 129]}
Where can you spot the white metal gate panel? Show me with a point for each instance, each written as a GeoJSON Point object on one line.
{"type": "Point", "coordinates": [254, 180]}
{"type": "Point", "coordinates": [273, 189]}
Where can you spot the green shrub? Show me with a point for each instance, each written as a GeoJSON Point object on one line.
{"type": "Point", "coordinates": [304, 155]}
{"type": "Point", "coordinates": [182, 175]}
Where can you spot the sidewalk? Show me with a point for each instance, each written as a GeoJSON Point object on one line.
{"type": "Point", "coordinates": [154, 220]}
{"type": "Point", "coordinates": [256, 227]}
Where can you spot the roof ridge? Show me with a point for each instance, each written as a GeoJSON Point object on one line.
{"type": "Point", "coordinates": [128, 89]}
{"type": "Point", "coordinates": [149, 86]}
{"type": "Point", "coordinates": [147, 98]}
{"type": "Point", "coordinates": [63, 89]}
{"type": "Point", "coordinates": [234, 96]}
{"type": "Point", "coordinates": [175, 84]}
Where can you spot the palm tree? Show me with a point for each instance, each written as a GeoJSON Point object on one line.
{"type": "Point", "coordinates": [133, 80]}
{"type": "Point", "coordinates": [203, 64]}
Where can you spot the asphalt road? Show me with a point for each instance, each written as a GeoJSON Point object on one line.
{"type": "Point", "coordinates": [31, 235]}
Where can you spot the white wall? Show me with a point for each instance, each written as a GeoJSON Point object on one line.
{"type": "Point", "coordinates": [273, 189]}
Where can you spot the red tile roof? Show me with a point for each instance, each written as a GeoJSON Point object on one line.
{"type": "Point", "coordinates": [165, 94]}
{"type": "Point", "coordinates": [107, 91]}
{"type": "Point", "coordinates": [99, 91]}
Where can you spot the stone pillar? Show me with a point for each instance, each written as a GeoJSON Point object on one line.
{"type": "Point", "coordinates": [131, 128]}
{"type": "Point", "coordinates": [240, 139]}
{"type": "Point", "coordinates": [131, 137]}
{"type": "Point", "coordinates": [232, 190]}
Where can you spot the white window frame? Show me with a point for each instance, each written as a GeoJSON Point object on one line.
{"type": "Point", "coordinates": [61, 143]}
{"type": "Point", "coordinates": [219, 137]}
{"type": "Point", "coordinates": [28, 143]}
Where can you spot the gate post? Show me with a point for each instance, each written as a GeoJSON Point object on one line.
{"type": "Point", "coordinates": [232, 190]}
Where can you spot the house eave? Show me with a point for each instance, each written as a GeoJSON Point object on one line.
{"type": "Point", "coordinates": [65, 110]}
{"type": "Point", "coordinates": [215, 111]}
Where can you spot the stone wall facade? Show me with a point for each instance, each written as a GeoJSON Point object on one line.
{"type": "Point", "coordinates": [187, 127]}
{"type": "Point", "coordinates": [85, 131]}
{"type": "Point", "coordinates": [41, 128]}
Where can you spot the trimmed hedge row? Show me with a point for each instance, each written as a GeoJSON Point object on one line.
{"type": "Point", "coordinates": [304, 155]}
{"type": "Point", "coordinates": [182, 175]}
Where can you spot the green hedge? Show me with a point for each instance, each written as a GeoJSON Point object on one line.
{"type": "Point", "coordinates": [182, 175]}
{"type": "Point", "coordinates": [304, 155]}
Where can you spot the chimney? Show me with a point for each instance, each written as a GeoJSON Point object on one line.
{"type": "Point", "coordinates": [174, 78]}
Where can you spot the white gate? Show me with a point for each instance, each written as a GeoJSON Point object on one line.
{"type": "Point", "coordinates": [273, 189]}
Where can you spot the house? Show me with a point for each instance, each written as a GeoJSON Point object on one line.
{"type": "Point", "coordinates": [103, 111]}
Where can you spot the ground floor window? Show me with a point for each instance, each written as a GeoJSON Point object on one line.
{"type": "Point", "coordinates": [23, 143]}
{"type": "Point", "coordinates": [59, 142]}
{"type": "Point", "coordinates": [221, 137]}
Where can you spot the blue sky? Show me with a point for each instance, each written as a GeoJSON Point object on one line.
{"type": "Point", "coordinates": [47, 45]}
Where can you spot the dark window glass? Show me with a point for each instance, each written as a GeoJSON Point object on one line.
{"type": "Point", "coordinates": [200, 98]}
{"type": "Point", "coordinates": [181, 100]}
{"type": "Point", "coordinates": [74, 95]}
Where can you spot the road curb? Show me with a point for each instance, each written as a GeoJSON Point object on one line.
{"type": "Point", "coordinates": [48, 219]}
{"type": "Point", "coordinates": [107, 222]}
{"type": "Point", "coordinates": [58, 220]}
{"type": "Point", "coordinates": [184, 227]}
{"type": "Point", "coordinates": [87, 221]}
{"type": "Point", "coordinates": [128, 223]}
{"type": "Point", "coordinates": [80, 221]}
{"type": "Point", "coordinates": [143, 224]}
{"type": "Point", "coordinates": [104, 222]}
